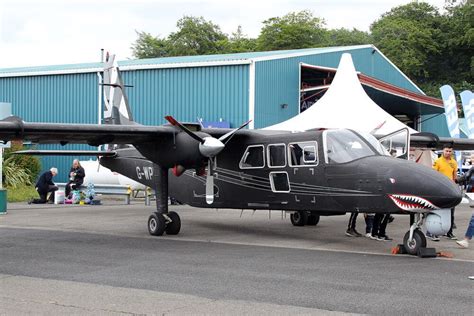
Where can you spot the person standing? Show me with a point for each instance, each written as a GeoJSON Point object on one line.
{"type": "Point", "coordinates": [448, 166]}
{"type": "Point", "coordinates": [76, 177]}
{"type": "Point", "coordinates": [379, 227]}
{"type": "Point", "coordinates": [351, 226]}
{"type": "Point", "coordinates": [44, 185]}
{"type": "Point", "coordinates": [468, 235]}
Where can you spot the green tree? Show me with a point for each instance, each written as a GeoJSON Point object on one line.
{"type": "Point", "coordinates": [196, 36]}
{"type": "Point", "coordinates": [292, 31]}
{"type": "Point", "coordinates": [148, 46]}
{"type": "Point", "coordinates": [345, 37]}
{"type": "Point", "coordinates": [455, 64]}
{"type": "Point", "coordinates": [240, 43]}
{"type": "Point", "coordinates": [409, 36]}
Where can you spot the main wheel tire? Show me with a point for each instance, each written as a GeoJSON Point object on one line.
{"type": "Point", "coordinates": [156, 224]}
{"type": "Point", "coordinates": [299, 218]}
{"type": "Point", "coordinates": [313, 220]}
{"type": "Point", "coordinates": [418, 241]}
{"type": "Point", "coordinates": [173, 227]}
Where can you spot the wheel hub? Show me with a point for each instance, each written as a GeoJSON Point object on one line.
{"type": "Point", "coordinates": [153, 224]}
{"type": "Point", "coordinates": [411, 243]}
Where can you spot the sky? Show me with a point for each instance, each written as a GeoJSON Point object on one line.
{"type": "Point", "coordinates": [54, 32]}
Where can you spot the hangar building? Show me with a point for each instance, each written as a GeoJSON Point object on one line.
{"type": "Point", "coordinates": [267, 87]}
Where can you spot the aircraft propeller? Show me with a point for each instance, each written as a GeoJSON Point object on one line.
{"type": "Point", "coordinates": [209, 147]}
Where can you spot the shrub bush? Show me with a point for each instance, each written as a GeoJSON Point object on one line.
{"type": "Point", "coordinates": [30, 165]}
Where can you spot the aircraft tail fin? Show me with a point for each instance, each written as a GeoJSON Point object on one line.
{"type": "Point", "coordinates": [117, 110]}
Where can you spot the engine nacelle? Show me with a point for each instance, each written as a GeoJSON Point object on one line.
{"type": "Point", "coordinates": [183, 150]}
{"type": "Point", "coordinates": [438, 222]}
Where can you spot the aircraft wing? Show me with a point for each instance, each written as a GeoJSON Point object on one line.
{"type": "Point", "coordinates": [431, 141]}
{"type": "Point", "coordinates": [13, 128]}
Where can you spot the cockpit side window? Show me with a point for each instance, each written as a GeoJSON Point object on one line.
{"type": "Point", "coordinates": [303, 154]}
{"type": "Point", "coordinates": [341, 146]}
{"type": "Point", "coordinates": [252, 158]}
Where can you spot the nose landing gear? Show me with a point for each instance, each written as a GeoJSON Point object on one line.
{"type": "Point", "coordinates": [414, 239]}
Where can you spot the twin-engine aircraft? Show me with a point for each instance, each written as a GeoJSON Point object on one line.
{"type": "Point", "coordinates": [313, 173]}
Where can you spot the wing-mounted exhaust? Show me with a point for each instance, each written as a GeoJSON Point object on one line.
{"type": "Point", "coordinates": [209, 147]}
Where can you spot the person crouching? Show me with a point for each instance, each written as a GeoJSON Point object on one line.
{"type": "Point", "coordinates": [45, 185]}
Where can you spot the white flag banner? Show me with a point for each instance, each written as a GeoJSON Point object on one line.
{"type": "Point", "coordinates": [467, 100]}
{"type": "Point", "coordinates": [451, 112]}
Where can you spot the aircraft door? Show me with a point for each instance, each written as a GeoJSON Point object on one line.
{"type": "Point", "coordinates": [276, 158]}
{"type": "Point", "coordinates": [397, 143]}
{"type": "Point", "coordinates": [304, 171]}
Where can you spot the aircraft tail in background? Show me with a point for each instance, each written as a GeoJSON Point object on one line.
{"type": "Point", "coordinates": [116, 107]}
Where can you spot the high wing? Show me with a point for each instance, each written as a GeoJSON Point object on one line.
{"type": "Point", "coordinates": [13, 128]}
{"type": "Point", "coordinates": [432, 141]}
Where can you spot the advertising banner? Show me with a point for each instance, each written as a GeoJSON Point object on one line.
{"type": "Point", "coordinates": [467, 100]}
{"type": "Point", "coordinates": [451, 112]}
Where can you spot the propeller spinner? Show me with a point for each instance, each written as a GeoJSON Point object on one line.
{"type": "Point", "coordinates": [208, 147]}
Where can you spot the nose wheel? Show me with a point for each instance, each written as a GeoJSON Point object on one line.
{"type": "Point", "coordinates": [414, 239]}
{"type": "Point", "coordinates": [417, 241]}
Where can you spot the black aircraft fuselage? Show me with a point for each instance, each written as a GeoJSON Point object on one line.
{"type": "Point", "coordinates": [327, 172]}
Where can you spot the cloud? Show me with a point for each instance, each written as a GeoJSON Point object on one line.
{"type": "Point", "coordinates": [58, 32]}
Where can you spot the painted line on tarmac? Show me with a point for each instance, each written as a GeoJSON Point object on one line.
{"type": "Point", "coordinates": [227, 242]}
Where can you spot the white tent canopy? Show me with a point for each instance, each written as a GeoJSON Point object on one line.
{"type": "Point", "coordinates": [344, 105]}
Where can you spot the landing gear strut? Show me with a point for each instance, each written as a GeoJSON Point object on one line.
{"type": "Point", "coordinates": [162, 221]}
{"type": "Point", "coordinates": [414, 238]}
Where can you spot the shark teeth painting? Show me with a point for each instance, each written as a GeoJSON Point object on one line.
{"type": "Point", "coordinates": [412, 202]}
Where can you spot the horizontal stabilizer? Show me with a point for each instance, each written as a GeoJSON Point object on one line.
{"type": "Point", "coordinates": [66, 153]}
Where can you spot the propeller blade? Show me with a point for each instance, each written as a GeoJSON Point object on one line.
{"type": "Point", "coordinates": [174, 122]}
{"type": "Point", "coordinates": [209, 184]}
{"type": "Point", "coordinates": [231, 133]}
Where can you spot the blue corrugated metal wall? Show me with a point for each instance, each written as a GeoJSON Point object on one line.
{"type": "Point", "coordinates": [276, 81]}
{"type": "Point", "coordinates": [59, 98]}
{"type": "Point", "coordinates": [435, 124]}
{"type": "Point", "coordinates": [211, 93]}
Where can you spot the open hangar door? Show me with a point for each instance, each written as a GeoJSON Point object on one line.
{"type": "Point", "coordinates": [404, 105]}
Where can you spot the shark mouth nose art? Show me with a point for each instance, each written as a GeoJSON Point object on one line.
{"type": "Point", "coordinates": [412, 202]}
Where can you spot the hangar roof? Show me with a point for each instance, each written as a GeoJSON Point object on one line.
{"type": "Point", "coordinates": [175, 62]}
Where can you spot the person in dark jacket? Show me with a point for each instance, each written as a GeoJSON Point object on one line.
{"type": "Point", "coordinates": [44, 185]}
{"type": "Point", "coordinates": [76, 177]}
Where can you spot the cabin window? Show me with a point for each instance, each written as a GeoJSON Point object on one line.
{"type": "Point", "coordinates": [303, 154]}
{"type": "Point", "coordinates": [279, 182]}
{"type": "Point", "coordinates": [252, 158]}
{"type": "Point", "coordinates": [276, 155]}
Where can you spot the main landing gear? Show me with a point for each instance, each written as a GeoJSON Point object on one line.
{"type": "Point", "coordinates": [162, 220]}
{"type": "Point", "coordinates": [159, 223]}
{"type": "Point", "coordinates": [301, 218]}
{"type": "Point", "coordinates": [414, 239]}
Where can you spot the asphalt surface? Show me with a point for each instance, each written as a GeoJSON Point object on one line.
{"type": "Point", "coordinates": [101, 260]}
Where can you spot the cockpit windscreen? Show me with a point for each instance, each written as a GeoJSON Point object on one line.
{"type": "Point", "coordinates": [342, 145]}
